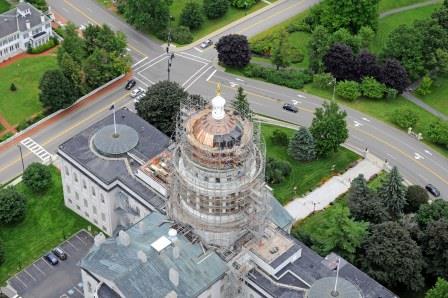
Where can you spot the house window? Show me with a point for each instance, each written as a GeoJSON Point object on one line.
{"type": "Point", "coordinates": [68, 188]}
{"type": "Point", "coordinates": [84, 184]}
{"type": "Point", "coordinates": [93, 191]}
{"type": "Point", "coordinates": [86, 214]}
{"type": "Point", "coordinates": [77, 195]}
{"type": "Point", "coordinates": [103, 217]}
{"type": "Point", "coordinates": [85, 203]}
{"type": "Point", "coordinates": [76, 177]}
{"type": "Point", "coordinates": [102, 198]}
{"type": "Point", "coordinates": [94, 210]}
{"type": "Point", "coordinates": [67, 173]}
{"type": "Point", "coordinates": [222, 288]}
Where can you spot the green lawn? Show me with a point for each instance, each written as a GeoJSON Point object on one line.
{"type": "Point", "coordinates": [4, 6]}
{"type": "Point", "coordinates": [438, 98]}
{"type": "Point", "coordinates": [389, 23]}
{"type": "Point", "coordinates": [46, 224]}
{"type": "Point", "coordinates": [386, 5]}
{"type": "Point", "coordinates": [383, 110]}
{"type": "Point", "coordinates": [25, 74]}
{"type": "Point", "coordinates": [305, 175]}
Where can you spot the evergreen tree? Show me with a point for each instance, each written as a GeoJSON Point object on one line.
{"type": "Point", "coordinates": [440, 289]}
{"type": "Point", "coordinates": [241, 104]}
{"type": "Point", "coordinates": [393, 193]}
{"type": "Point", "coordinates": [281, 51]}
{"type": "Point", "coordinates": [302, 146]}
{"type": "Point", "coordinates": [435, 248]}
{"type": "Point", "coordinates": [12, 206]}
{"type": "Point", "coordinates": [56, 91]}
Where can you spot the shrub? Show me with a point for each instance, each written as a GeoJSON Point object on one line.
{"type": "Point", "coordinates": [296, 56]}
{"type": "Point", "coordinates": [2, 255]}
{"type": "Point", "coordinates": [182, 35]}
{"type": "Point", "coordinates": [6, 136]}
{"type": "Point", "coordinates": [191, 15]}
{"type": "Point", "coordinates": [214, 9]}
{"type": "Point", "coordinates": [371, 88]}
{"type": "Point", "coordinates": [425, 86]}
{"type": "Point", "coordinates": [415, 196]}
{"type": "Point", "coordinates": [279, 138]}
{"type": "Point", "coordinates": [30, 121]}
{"type": "Point", "coordinates": [243, 3]}
{"type": "Point", "coordinates": [262, 46]}
{"type": "Point", "coordinates": [42, 48]}
{"type": "Point", "coordinates": [277, 170]}
{"type": "Point", "coordinates": [437, 132]}
{"type": "Point", "coordinates": [37, 177]}
{"type": "Point", "coordinates": [323, 80]}
{"type": "Point", "coordinates": [233, 50]}
{"type": "Point", "coordinates": [286, 77]}
{"type": "Point", "coordinates": [348, 90]}
{"type": "Point", "coordinates": [12, 206]}
{"type": "Point", "coordinates": [391, 93]}
{"type": "Point", "coordinates": [13, 87]}
{"type": "Point", "coordinates": [405, 118]}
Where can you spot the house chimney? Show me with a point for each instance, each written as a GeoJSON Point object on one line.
{"type": "Point", "coordinates": [28, 25]}
{"type": "Point", "coordinates": [42, 18]}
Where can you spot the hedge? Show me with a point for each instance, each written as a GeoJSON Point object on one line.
{"type": "Point", "coordinates": [295, 79]}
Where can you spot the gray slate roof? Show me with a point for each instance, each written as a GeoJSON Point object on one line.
{"type": "Point", "coordinates": [119, 264]}
{"type": "Point", "coordinates": [11, 21]}
{"type": "Point", "coordinates": [151, 143]}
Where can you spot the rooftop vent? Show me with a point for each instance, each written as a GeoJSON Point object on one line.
{"type": "Point", "coordinates": [174, 277]}
{"type": "Point", "coordinates": [172, 235]}
{"type": "Point", "coordinates": [142, 256]}
{"type": "Point", "coordinates": [161, 243]}
{"type": "Point", "coordinates": [123, 238]}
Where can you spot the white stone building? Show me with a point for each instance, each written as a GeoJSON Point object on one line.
{"type": "Point", "coordinates": [21, 27]}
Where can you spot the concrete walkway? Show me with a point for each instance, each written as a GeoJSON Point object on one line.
{"type": "Point", "coordinates": [409, 7]}
{"type": "Point", "coordinates": [333, 188]}
{"type": "Point", "coordinates": [409, 96]}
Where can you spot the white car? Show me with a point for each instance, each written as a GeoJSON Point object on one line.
{"type": "Point", "coordinates": [205, 44]}
{"type": "Point", "coordinates": [137, 91]}
{"type": "Point", "coordinates": [137, 99]}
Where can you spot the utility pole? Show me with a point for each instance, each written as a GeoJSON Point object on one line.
{"type": "Point", "coordinates": [334, 89]}
{"type": "Point", "coordinates": [21, 158]}
{"type": "Point", "coordinates": [170, 55]}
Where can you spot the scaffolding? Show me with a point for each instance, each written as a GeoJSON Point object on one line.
{"type": "Point", "coordinates": [217, 177]}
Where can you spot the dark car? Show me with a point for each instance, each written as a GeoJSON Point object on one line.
{"type": "Point", "coordinates": [130, 84]}
{"type": "Point", "coordinates": [60, 253]}
{"type": "Point", "coordinates": [433, 190]}
{"type": "Point", "coordinates": [51, 258]}
{"type": "Point", "coordinates": [290, 107]}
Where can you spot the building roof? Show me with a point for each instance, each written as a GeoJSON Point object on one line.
{"type": "Point", "coordinates": [12, 21]}
{"type": "Point", "coordinates": [121, 265]}
{"type": "Point", "coordinates": [151, 142]}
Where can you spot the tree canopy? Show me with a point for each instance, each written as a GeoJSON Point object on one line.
{"type": "Point", "coordinates": [440, 289]}
{"type": "Point", "coordinates": [339, 61]}
{"type": "Point", "coordinates": [415, 197]}
{"type": "Point", "coordinates": [435, 248]}
{"type": "Point", "coordinates": [216, 8]}
{"type": "Point", "coordinates": [427, 213]}
{"type": "Point", "coordinates": [12, 206]}
{"type": "Point", "coordinates": [150, 15]}
{"type": "Point", "coordinates": [393, 193]}
{"type": "Point", "coordinates": [56, 91]}
{"type": "Point", "coordinates": [233, 50]}
{"type": "Point", "coordinates": [302, 146]}
{"type": "Point", "coordinates": [37, 177]}
{"type": "Point", "coordinates": [241, 104]}
{"type": "Point", "coordinates": [281, 51]}
{"type": "Point", "coordinates": [191, 15]}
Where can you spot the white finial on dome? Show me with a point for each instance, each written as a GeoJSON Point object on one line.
{"type": "Point", "coordinates": [218, 104]}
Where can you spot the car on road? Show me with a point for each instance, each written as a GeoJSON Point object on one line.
{"type": "Point", "coordinates": [137, 91]}
{"type": "Point", "coordinates": [51, 258]}
{"type": "Point", "coordinates": [60, 253]}
{"type": "Point", "coordinates": [137, 99]}
{"type": "Point", "coordinates": [289, 107]}
{"type": "Point", "coordinates": [205, 44]}
{"type": "Point", "coordinates": [432, 190]}
{"type": "Point", "coordinates": [130, 84]}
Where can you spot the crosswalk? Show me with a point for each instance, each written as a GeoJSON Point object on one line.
{"type": "Point", "coordinates": [37, 149]}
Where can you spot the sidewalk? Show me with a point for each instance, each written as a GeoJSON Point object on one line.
{"type": "Point", "coordinates": [333, 188]}
{"type": "Point", "coordinates": [409, 96]}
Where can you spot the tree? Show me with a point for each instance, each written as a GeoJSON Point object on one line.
{"type": "Point", "coordinates": [390, 256]}
{"type": "Point", "coordinates": [425, 86]}
{"type": "Point", "coordinates": [301, 146]}
{"type": "Point", "coordinates": [277, 170]}
{"type": "Point", "coordinates": [352, 15]}
{"type": "Point", "coordinates": [366, 36]}
{"type": "Point", "coordinates": [56, 91]}
{"type": "Point", "coordinates": [394, 75]}
{"type": "Point", "coordinates": [371, 88]}
{"type": "Point", "coordinates": [339, 61]}
{"type": "Point", "coordinates": [12, 87]}
{"type": "Point", "coordinates": [160, 105]}
{"type": "Point", "coordinates": [415, 197]}
{"type": "Point", "coordinates": [323, 80]}
{"type": "Point", "coordinates": [12, 206]}
{"type": "Point", "coordinates": [437, 132]}
{"type": "Point", "coordinates": [103, 37]}
{"type": "Point", "coordinates": [339, 233]}
{"type": "Point", "coordinates": [216, 8]}
{"type": "Point", "coordinates": [440, 289]}
{"type": "Point", "coordinates": [441, 16]}
{"type": "Point", "coordinates": [364, 204]}
{"type": "Point", "coordinates": [368, 66]}
{"type": "Point", "coordinates": [343, 36]}
{"type": "Point", "coordinates": [281, 51]}
{"type": "Point", "coordinates": [74, 73]}
{"type": "Point", "coordinates": [405, 118]}
{"type": "Point", "coordinates": [241, 104]}
{"type": "Point", "coordinates": [2, 255]}
{"type": "Point", "coordinates": [427, 213]}
{"type": "Point", "coordinates": [442, 61]}
{"type": "Point", "coordinates": [348, 89]}
{"type": "Point", "coordinates": [432, 37]}
{"type": "Point", "coordinates": [318, 46]}
{"type": "Point", "coordinates": [37, 177]}
{"type": "Point", "coordinates": [329, 128]}
{"type": "Point", "coordinates": [435, 248]}
{"type": "Point", "coordinates": [73, 45]}
{"type": "Point", "coordinates": [191, 15]}
{"type": "Point", "coordinates": [39, 4]}
{"type": "Point", "coordinates": [150, 15]}
{"type": "Point", "coordinates": [393, 193]}
{"type": "Point", "coordinates": [181, 35]}
{"type": "Point", "coordinates": [243, 3]}
{"type": "Point", "coordinates": [279, 138]}
{"type": "Point", "coordinates": [233, 50]}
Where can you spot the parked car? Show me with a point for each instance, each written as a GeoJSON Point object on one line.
{"type": "Point", "coordinates": [137, 99]}
{"type": "Point", "coordinates": [290, 108]}
{"type": "Point", "coordinates": [130, 84]}
{"type": "Point", "coordinates": [51, 258]}
{"type": "Point", "coordinates": [60, 253]}
{"type": "Point", "coordinates": [205, 44]}
{"type": "Point", "coordinates": [432, 190]}
{"type": "Point", "coordinates": [137, 91]}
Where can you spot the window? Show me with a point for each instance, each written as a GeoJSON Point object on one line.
{"type": "Point", "coordinates": [94, 210]}
{"type": "Point", "coordinates": [84, 185]}
{"type": "Point", "coordinates": [68, 188]}
{"type": "Point", "coordinates": [222, 288]}
{"type": "Point", "coordinates": [89, 287]}
{"type": "Point", "coordinates": [103, 216]}
{"type": "Point", "coordinates": [77, 195]}
{"type": "Point", "coordinates": [102, 198]}
{"type": "Point", "coordinates": [76, 177]}
{"type": "Point", "coordinates": [209, 296]}
{"type": "Point", "coordinates": [218, 180]}
{"type": "Point", "coordinates": [67, 173]}
{"type": "Point", "coordinates": [104, 228]}
{"type": "Point", "coordinates": [86, 214]}
{"type": "Point", "coordinates": [70, 201]}
{"type": "Point", "coordinates": [77, 207]}
{"type": "Point", "coordinates": [95, 221]}
{"type": "Point", "coordinates": [93, 191]}
{"type": "Point", "coordinates": [85, 203]}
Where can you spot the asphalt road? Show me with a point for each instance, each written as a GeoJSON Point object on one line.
{"type": "Point", "coordinates": [194, 69]}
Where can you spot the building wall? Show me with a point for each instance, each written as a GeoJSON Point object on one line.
{"type": "Point", "coordinates": [89, 284]}
{"type": "Point", "coordinates": [215, 291]}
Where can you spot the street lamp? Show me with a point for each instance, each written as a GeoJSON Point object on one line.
{"type": "Point", "coordinates": [334, 87]}
{"type": "Point", "coordinates": [170, 55]}
{"type": "Point", "coordinates": [21, 157]}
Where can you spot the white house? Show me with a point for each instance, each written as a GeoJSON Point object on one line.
{"type": "Point", "coordinates": [22, 26]}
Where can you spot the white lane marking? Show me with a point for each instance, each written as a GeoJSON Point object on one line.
{"type": "Point", "coordinates": [199, 50]}
{"type": "Point", "coordinates": [295, 102]}
{"type": "Point", "coordinates": [193, 75]}
{"type": "Point", "coordinates": [150, 61]}
{"type": "Point", "coordinates": [365, 119]}
{"type": "Point", "coordinates": [418, 156]}
{"type": "Point", "coordinates": [356, 123]}
{"type": "Point", "coordinates": [301, 96]}
{"type": "Point", "coordinates": [194, 81]}
{"type": "Point", "coordinates": [428, 152]}
{"type": "Point", "coordinates": [37, 267]}
{"type": "Point", "coordinates": [36, 149]}
{"type": "Point", "coordinates": [211, 75]}
{"type": "Point", "coordinates": [192, 59]}
{"type": "Point", "coordinates": [141, 82]}
{"type": "Point", "coordinates": [238, 79]}
{"type": "Point", "coordinates": [138, 62]}
{"type": "Point", "coordinates": [233, 84]}
{"type": "Point", "coordinates": [25, 271]}
{"type": "Point", "coordinates": [17, 277]}
{"type": "Point", "coordinates": [200, 58]}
